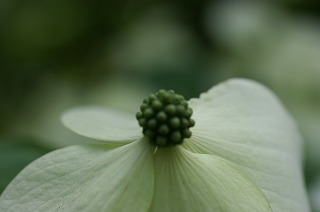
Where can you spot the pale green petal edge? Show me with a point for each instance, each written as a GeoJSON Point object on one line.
{"type": "Point", "coordinates": [103, 124]}
{"type": "Point", "coordinates": [243, 122]}
{"type": "Point", "coordinates": [185, 181]}
{"type": "Point", "coordinates": [85, 178]}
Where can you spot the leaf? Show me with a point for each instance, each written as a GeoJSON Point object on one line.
{"type": "Point", "coordinates": [103, 124]}
{"type": "Point", "coordinates": [85, 178]}
{"type": "Point", "coordinates": [185, 181]}
{"type": "Point", "coordinates": [243, 122]}
{"type": "Point", "coordinates": [15, 154]}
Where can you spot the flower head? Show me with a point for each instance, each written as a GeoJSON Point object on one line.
{"type": "Point", "coordinates": [165, 118]}
{"type": "Point", "coordinates": [244, 154]}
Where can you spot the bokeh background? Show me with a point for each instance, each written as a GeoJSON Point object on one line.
{"type": "Point", "coordinates": [58, 54]}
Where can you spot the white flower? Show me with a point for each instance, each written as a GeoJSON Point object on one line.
{"type": "Point", "coordinates": [244, 155]}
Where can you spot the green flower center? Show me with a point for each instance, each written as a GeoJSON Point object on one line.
{"type": "Point", "coordinates": [165, 118]}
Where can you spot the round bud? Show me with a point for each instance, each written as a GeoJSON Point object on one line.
{"type": "Point", "coordinates": [163, 129]}
{"type": "Point", "coordinates": [185, 123]}
{"type": "Point", "coordinates": [142, 122]}
{"type": "Point", "coordinates": [148, 112]}
{"type": "Point", "coordinates": [152, 97]}
{"type": "Point", "coordinates": [170, 109]}
{"type": "Point", "coordinates": [191, 123]}
{"type": "Point", "coordinates": [156, 105]}
{"type": "Point", "coordinates": [161, 116]}
{"type": "Point", "coordinates": [139, 115]}
{"type": "Point", "coordinates": [180, 110]}
{"type": "Point", "coordinates": [175, 136]}
{"type": "Point", "coordinates": [152, 123]}
{"type": "Point", "coordinates": [175, 122]}
{"type": "Point", "coordinates": [143, 106]}
{"type": "Point", "coordinates": [187, 133]}
{"type": "Point", "coordinates": [189, 112]}
{"type": "Point", "coordinates": [150, 133]}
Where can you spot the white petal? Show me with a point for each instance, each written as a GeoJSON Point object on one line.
{"type": "Point", "coordinates": [103, 124]}
{"type": "Point", "coordinates": [185, 181]}
{"type": "Point", "coordinates": [243, 122]}
{"type": "Point", "coordinates": [85, 178]}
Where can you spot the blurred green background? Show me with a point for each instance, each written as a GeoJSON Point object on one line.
{"type": "Point", "coordinates": [58, 54]}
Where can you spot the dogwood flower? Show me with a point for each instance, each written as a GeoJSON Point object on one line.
{"type": "Point", "coordinates": [242, 152]}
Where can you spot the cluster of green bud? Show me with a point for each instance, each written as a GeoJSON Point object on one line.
{"type": "Point", "coordinates": [165, 118]}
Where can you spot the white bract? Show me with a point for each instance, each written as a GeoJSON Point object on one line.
{"type": "Point", "coordinates": [244, 155]}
